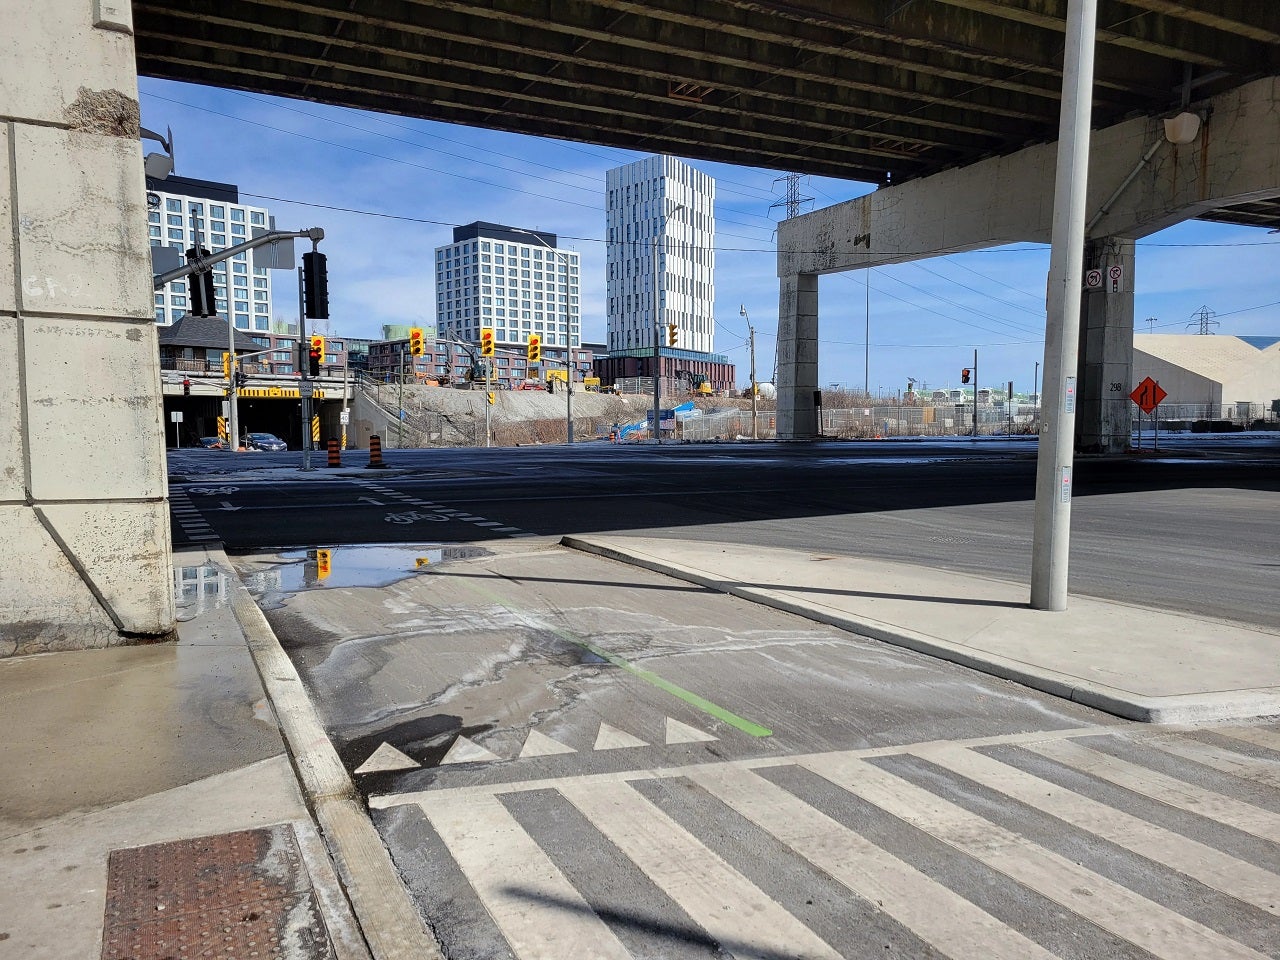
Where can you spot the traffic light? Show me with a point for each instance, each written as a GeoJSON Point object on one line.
{"type": "Point", "coordinates": [534, 352]}
{"type": "Point", "coordinates": [226, 366]}
{"type": "Point", "coordinates": [186, 386]}
{"type": "Point", "coordinates": [316, 355]}
{"type": "Point", "coordinates": [315, 285]}
{"type": "Point", "coordinates": [964, 375]}
{"type": "Point", "coordinates": [324, 563]}
{"type": "Point", "coordinates": [673, 334]}
{"type": "Point", "coordinates": [486, 341]}
{"type": "Point", "coordinates": [416, 347]}
{"type": "Point", "coordinates": [200, 288]}
{"type": "Point", "coordinates": [241, 379]}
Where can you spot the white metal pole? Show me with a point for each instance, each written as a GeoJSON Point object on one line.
{"type": "Point", "coordinates": [1052, 534]}
{"type": "Point", "coordinates": [657, 355]}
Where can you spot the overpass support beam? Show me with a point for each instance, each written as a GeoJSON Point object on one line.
{"type": "Point", "coordinates": [797, 357]}
{"type": "Point", "coordinates": [85, 556]}
{"type": "Point", "coordinates": [1104, 413]}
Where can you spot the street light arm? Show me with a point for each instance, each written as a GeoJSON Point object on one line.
{"type": "Point", "coordinates": [201, 263]}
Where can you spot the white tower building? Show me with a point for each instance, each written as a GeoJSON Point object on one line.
{"type": "Point", "coordinates": [662, 207]}
{"type": "Point", "coordinates": [516, 281]}
{"type": "Point", "coordinates": [179, 209]}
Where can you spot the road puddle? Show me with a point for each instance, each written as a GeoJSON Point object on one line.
{"type": "Point", "coordinates": [355, 566]}
{"type": "Point", "coordinates": [198, 589]}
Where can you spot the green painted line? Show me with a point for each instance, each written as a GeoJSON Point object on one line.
{"type": "Point", "coordinates": [701, 703]}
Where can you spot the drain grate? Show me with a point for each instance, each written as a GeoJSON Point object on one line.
{"type": "Point", "coordinates": [241, 895]}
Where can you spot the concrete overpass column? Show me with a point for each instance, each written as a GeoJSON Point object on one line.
{"type": "Point", "coordinates": [85, 556]}
{"type": "Point", "coordinates": [1104, 413]}
{"type": "Point", "coordinates": [797, 356]}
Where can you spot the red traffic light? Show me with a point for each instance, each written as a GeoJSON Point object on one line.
{"type": "Point", "coordinates": [186, 386]}
{"type": "Point", "coordinates": [964, 375]}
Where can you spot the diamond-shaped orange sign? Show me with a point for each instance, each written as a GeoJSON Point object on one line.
{"type": "Point", "coordinates": [1148, 395]}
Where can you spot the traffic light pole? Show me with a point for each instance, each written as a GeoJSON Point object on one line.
{"type": "Point", "coordinates": [976, 381]}
{"type": "Point", "coordinates": [304, 383]}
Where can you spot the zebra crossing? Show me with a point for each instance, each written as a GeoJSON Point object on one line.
{"type": "Point", "coordinates": [1070, 844]}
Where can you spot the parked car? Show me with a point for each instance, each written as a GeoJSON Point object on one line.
{"type": "Point", "coordinates": [211, 443]}
{"type": "Point", "coordinates": [264, 441]}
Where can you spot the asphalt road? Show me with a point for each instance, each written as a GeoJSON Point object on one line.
{"type": "Point", "coordinates": [1192, 530]}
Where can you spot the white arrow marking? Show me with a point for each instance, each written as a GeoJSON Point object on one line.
{"type": "Point", "coordinates": [678, 732]}
{"type": "Point", "coordinates": [387, 757]}
{"type": "Point", "coordinates": [376, 503]}
{"type": "Point", "coordinates": [611, 738]}
{"type": "Point", "coordinates": [466, 751]}
{"type": "Point", "coordinates": [226, 505]}
{"type": "Point", "coordinates": [540, 745]}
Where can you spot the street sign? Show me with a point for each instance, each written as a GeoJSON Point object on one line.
{"type": "Point", "coordinates": [344, 417]}
{"type": "Point", "coordinates": [306, 389]}
{"type": "Point", "coordinates": [1115, 273]}
{"type": "Point", "coordinates": [1093, 280]}
{"type": "Point", "coordinates": [1148, 395]}
{"type": "Point", "coordinates": [176, 416]}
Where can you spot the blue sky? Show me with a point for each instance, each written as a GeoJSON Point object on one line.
{"type": "Point", "coordinates": [412, 181]}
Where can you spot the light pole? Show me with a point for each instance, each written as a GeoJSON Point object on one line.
{"type": "Point", "coordinates": [751, 333]}
{"type": "Point", "coordinates": [568, 363]}
{"type": "Point", "coordinates": [659, 235]}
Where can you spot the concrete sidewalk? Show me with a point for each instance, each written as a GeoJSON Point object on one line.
{"type": "Point", "coordinates": [174, 748]}
{"type": "Point", "coordinates": [1143, 664]}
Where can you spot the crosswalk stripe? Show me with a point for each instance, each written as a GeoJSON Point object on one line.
{"type": "Point", "coordinates": [1107, 904]}
{"type": "Point", "coordinates": [1157, 786]}
{"type": "Point", "coordinates": [1267, 737]}
{"type": "Point", "coordinates": [728, 906]}
{"type": "Point", "coordinates": [1209, 866]}
{"type": "Point", "coordinates": [539, 912]}
{"type": "Point", "coordinates": [942, 918]}
{"type": "Point", "coordinates": [1247, 768]}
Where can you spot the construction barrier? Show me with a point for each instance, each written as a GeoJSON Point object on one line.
{"type": "Point", "coordinates": [335, 454]}
{"type": "Point", "coordinates": [375, 452]}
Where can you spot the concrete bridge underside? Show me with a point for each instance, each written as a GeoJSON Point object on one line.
{"type": "Point", "coordinates": [1139, 183]}
{"type": "Point", "coordinates": [873, 90]}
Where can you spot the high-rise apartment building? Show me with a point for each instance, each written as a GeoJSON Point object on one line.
{"type": "Point", "coordinates": [662, 208]}
{"type": "Point", "coordinates": [516, 281]}
{"type": "Point", "coordinates": [179, 209]}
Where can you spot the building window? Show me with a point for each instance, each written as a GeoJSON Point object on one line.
{"type": "Point", "coordinates": [172, 204]}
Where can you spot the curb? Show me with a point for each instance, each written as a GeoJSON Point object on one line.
{"type": "Point", "coordinates": [1188, 708]}
{"type": "Point", "coordinates": [379, 899]}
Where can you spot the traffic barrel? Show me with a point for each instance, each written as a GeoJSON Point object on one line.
{"type": "Point", "coordinates": [375, 452]}
{"type": "Point", "coordinates": [335, 455]}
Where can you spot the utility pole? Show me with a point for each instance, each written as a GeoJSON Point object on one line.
{"type": "Point", "coordinates": [976, 381]}
{"type": "Point", "coordinates": [400, 406]}
{"type": "Point", "coordinates": [305, 387]}
{"type": "Point", "coordinates": [751, 332]}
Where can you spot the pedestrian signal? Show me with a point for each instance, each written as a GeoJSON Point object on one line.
{"type": "Point", "coordinates": [964, 375]}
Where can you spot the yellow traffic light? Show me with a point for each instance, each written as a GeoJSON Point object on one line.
{"type": "Point", "coordinates": [534, 354]}
{"type": "Point", "coordinates": [416, 346]}
{"type": "Point", "coordinates": [486, 341]}
{"type": "Point", "coordinates": [323, 563]}
{"type": "Point", "coordinates": [673, 334]}
{"type": "Point", "coordinates": [226, 365]}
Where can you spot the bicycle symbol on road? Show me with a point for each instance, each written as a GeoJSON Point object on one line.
{"type": "Point", "coordinates": [412, 516]}
{"type": "Point", "coordinates": [213, 491]}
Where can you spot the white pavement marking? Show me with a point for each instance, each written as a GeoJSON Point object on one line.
{"type": "Point", "coordinates": [387, 757]}
{"type": "Point", "coordinates": [535, 906]}
{"type": "Point", "coordinates": [1107, 904]}
{"type": "Point", "coordinates": [678, 732]}
{"type": "Point", "coordinates": [1209, 866]}
{"type": "Point", "coordinates": [467, 751]}
{"type": "Point", "coordinates": [1266, 772]}
{"type": "Point", "coordinates": [611, 738]}
{"type": "Point", "coordinates": [1169, 790]}
{"type": "Point", "coordinates": [942, 918]}
{"type": "Point", "coordinates": [720, 900]}
{"type": "Point", "coordinates": [540, 745]}
{"type": "Point", "coordinates": [1265, 737]}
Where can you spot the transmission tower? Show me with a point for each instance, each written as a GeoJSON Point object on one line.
{"type": "Point", "coordinates": [1204, 318]}
{"type": "Point", "coordinates": [791, 201]}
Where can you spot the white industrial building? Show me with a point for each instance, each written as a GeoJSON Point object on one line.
{"type": "Point", "coordinates": [1210, 376]}
{"type": "Point", "coordinates": [662, 207]}
{"type": "Point", "coordinates": [180, 209]}
{"type": "Point", "coordinates": [517, 281]}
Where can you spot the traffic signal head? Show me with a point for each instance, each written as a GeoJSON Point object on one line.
{"type": "Point", "coordinates": [534, 353]}
{"type": "Point", "coordinates": [486, 341]}
{"type": "Point", "coordinates": [316, 356]}
{"type": "Point", "coordinates": [416, 347]}
{"type": "Point", "coordinates": [241, 379]}
{"type": "Point", "coordinates": [964, 375]}
{"type": "Point", "coordinates": [186, 386]}
{"type": "Point", "coordinates": [315, 285]}
{"type": "Point", "coordinates": [226, 365]}
{"type": "Point", "coordinates": [673, 334]}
